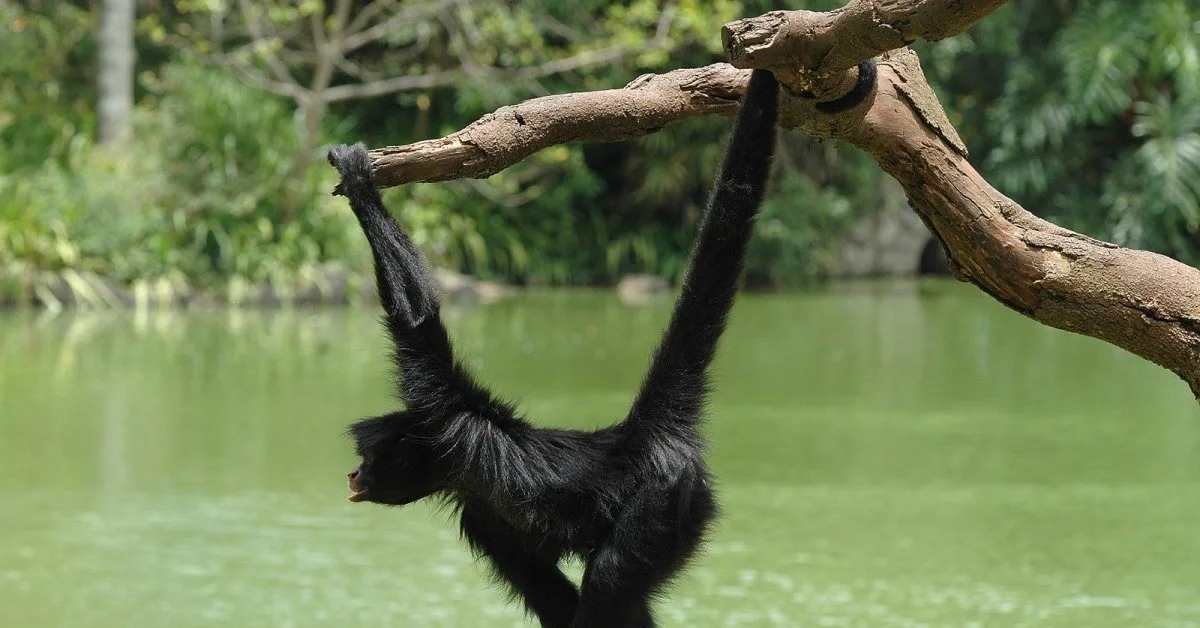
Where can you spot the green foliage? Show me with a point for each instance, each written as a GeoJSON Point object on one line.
{"type": "Point", "coordinates": [655, 196]}
{"type": "Point", "coordinates": [195, 199]}
{"type": "Point", "coordinates": [821, 189]}
{"type": "Point", "coordinates": [1092, 116]}
{"type": "Point", "coordinates": [1154, 191]}
{"type": "Point", "coordinates": [228, 150]}
{"type": "Point", "coordinates": [87, 215]}
{"type": "Point", "coordinates": [792, 241]}
{"type": "Point", "coordinates": [1087, 111]}
{"type": "Point", "coordinates": [45, 81]}
{"type": "Point", "coordinates": [527, 223]}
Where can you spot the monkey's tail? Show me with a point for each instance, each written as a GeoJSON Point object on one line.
{"type": "Point", "coordinates": [676, 384]}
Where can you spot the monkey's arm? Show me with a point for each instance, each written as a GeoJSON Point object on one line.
{"type": "Point", "coordinates": [428, 374]}
{"type": "Point", "coordinates": [406, 286]}
{"type": "Point", "coordinates": [676, 382]}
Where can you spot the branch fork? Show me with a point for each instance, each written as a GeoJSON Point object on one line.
{"type": "Point", "coordinates": [1143, 302]}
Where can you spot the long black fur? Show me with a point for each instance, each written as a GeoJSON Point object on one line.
{"type": "Point", "coordinates": [862, 88]}
{"type": "Point", "coordinates": [634, 500]}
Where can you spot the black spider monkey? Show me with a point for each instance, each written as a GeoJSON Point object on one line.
{"type": "Point", "coordinates": [633, 500]}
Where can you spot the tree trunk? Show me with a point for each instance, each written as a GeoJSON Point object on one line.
{"type": "Point", "coordinates": [114, 73]}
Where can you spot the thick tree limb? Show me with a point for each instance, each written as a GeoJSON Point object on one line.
{"type": "Point", "coordinates": [501, 139]}
{"type": "Point", "coordinates": [818, 41]}
{"type": "Point", "coordinates": [1143, 302]}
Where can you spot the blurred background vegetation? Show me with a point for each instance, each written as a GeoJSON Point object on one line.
{"type": "Point", "coordinates": [1085, 111]}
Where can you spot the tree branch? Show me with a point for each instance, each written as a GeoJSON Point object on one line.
{"type": "Point", "coordinates": [360, 37]}
{"type": "Point", "coordinates": [501, 139]}
{"type": "Point", "coordinates": [351, 91]}
{"type": "Point", "coordinates": [603, 55]}
{"type": "Point", "coordinates": [261, 37]}
{"type": "Point", "coordinates": [258, 79]}
{"type": "Point", "coordinates": [817, 41]}
{"type": "Point", "coordinates": [1145, 303]}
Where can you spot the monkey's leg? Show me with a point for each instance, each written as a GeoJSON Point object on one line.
{"type": "Point", "coordinates": [617, 586]}
{"type": "Point", "coordinates": [531, 572]}
{"type": "Point", "coordinates": [649, 544]}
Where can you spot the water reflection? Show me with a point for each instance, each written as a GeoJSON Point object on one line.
{"type": "Point", "coordinates": [888, 456]}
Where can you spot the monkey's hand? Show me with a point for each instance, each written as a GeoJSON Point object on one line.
{"type": "Point", "coordinates": [353, 163]}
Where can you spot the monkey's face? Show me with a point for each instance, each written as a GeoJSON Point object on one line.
{"type": "Point", "coordinates": [398, 465]}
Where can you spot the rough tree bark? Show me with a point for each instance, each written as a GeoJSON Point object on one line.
{"type": "Point", "coordinates": [1143, 302]}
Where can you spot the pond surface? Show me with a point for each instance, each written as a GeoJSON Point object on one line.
{"type": "Point", "coordinates": [888, 455]}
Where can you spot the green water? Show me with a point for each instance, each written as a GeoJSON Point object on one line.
{"type": "Point", "coordinates": [893, 455]}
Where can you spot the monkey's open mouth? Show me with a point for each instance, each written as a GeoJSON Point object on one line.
{"type": "Point", "coordinates": [358, 492]}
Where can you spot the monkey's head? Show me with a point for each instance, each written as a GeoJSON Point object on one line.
{"type": "Point", "coordinates": [398, 464]}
